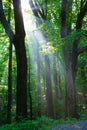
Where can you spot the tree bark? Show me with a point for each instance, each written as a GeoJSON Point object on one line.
{"type": "Point", "coordinates": [21, 90]}
{"type": "Point", "coordinates": [9, 104]}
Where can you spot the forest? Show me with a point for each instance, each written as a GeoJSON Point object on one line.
{"type": "Point", "coordinates": [43, 63]}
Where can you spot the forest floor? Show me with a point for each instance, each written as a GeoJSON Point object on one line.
{"type": "Point", "coordinates": [82, 125]}
{"type": "Point", "coordinates": [45, 123]}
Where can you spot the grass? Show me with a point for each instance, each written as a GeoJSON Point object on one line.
{"type": "Point", "coordinates": [43, 123]}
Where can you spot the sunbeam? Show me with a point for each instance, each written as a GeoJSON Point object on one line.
{"type": "Point", "coordinates": [34, 35]}
{"type": "Point", "coordinates": [27, 16]}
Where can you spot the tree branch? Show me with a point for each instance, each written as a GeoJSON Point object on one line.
{"type": "Point", "coordinates": [80, 16]}
{"type": "Point", "coordinates": [5, 23]}
{"type": "Point", "coordinates": [82, 50]}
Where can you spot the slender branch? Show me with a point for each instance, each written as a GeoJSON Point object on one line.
{"type": "Point", "coordinates": [80, 16]}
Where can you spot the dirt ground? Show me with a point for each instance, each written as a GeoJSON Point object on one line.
{"type": "Point", "coordinates": [82, 125]}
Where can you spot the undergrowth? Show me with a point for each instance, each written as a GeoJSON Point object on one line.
{"type": "Point", "coordinates": [43, 123]}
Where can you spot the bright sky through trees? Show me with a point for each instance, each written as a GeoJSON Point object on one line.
{"type": "Point", "coordinates": [27, 15]}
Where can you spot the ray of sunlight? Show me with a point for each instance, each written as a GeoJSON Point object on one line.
{"type": "Point", "coordinates": [34, 36]}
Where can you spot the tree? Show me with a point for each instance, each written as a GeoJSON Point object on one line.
{"type": "Point", "coordinates": [9, 105]}
{"type": "Point", "coordinates": [18, 41]}
{"type": "Point", "coordinates": [56, 82]}
{"type": "Point", "coordinates": [71, 60]}
{"type": "Point", "coordinates": [29, 90]}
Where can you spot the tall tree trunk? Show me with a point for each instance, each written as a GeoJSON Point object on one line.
{"type": "Point", "coordinates": [56, 86]}
{"type": "Point", "coordinates": [56, 83]}
{"type": "Point", "coordinates": [9, 85]}
{"type": "Point", "coordinates": [70, 104]}
{"type": "Point", "coordinates": [9, 103]}
{"type": "Point", "coordinates": [75, 58]}
{"type": "Point", "coordinates": [50, 112]}
{"type": "Point", "coordinates": [21, 90]}
{"type": "Point", "coordinates": [29, 92]}
{"type": "Point", "coordinates": [38, 78]}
